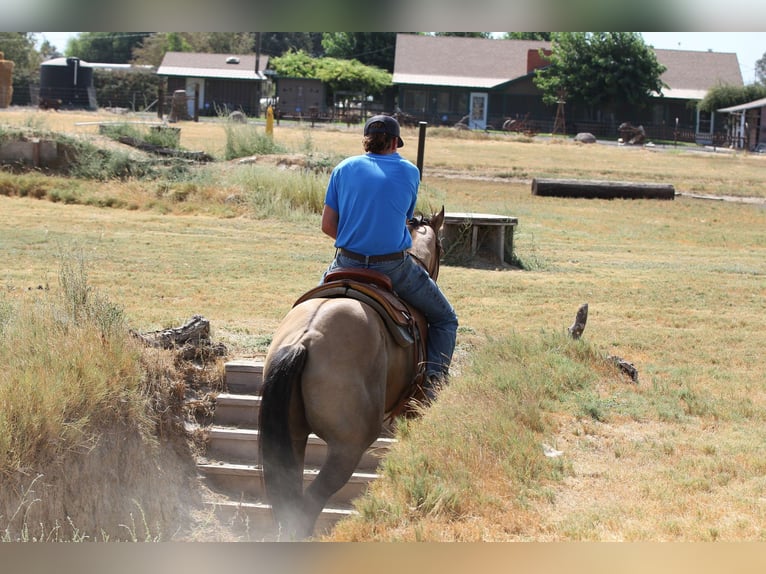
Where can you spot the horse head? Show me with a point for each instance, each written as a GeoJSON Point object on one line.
{"type": "Point", "coordinates": [426, 243]}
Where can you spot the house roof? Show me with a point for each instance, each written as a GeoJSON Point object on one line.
{"type": "Point", "coordinates": [690, 74]}
{"type": "Point", "coordinates": [483, 63]}
{"type": "Point", "coordinates": [748, 106]}
{"type": "Point", "coordinates": [461, 62]}
{"type": "Point", "coordinates": [220, 66]}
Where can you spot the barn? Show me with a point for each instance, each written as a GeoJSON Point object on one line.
{"type": "Point", "coordinates": [222, 83]}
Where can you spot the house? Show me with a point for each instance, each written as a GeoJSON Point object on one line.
{"type": "Point", "coordinates": [747, 125]}
{"type": "Point", "coordinates": [442, 79]}
{"type": "Point", "coordinates": [222, 83]}
{"type": "Point", "coordinates": [689, 76]}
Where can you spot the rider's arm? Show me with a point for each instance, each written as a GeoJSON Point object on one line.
{"type": "Point", "coordinates": [330, 222]}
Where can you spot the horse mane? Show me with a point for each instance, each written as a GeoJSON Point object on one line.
{"type": "Point", "coordinates": [418, 220]}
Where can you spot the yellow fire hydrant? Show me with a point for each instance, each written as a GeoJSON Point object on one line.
{"type": "Point", "coordinates": [270, 121]}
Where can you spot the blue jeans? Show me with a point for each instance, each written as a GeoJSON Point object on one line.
{"type": "Point", "coordinates": [413, 284]}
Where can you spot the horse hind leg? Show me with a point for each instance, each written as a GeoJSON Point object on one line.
{"type": "Point", "coordinates": [334, 474]}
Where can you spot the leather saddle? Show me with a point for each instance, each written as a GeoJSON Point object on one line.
{"type": "Point", "coordinates": [406, 324]}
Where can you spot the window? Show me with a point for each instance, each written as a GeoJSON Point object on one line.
{"type": "Point", "coordinates": [442, 102]}
{"type": "Point", "coordinates": [704, 122]}
{"type": "Point", "coordinates": [415, 101]}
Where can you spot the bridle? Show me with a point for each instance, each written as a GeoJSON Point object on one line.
{"type": "Point", "coordinates": [433, 268]}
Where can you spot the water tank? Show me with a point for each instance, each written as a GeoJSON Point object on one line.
{"type": "Point", "coordinates": [69, 80]}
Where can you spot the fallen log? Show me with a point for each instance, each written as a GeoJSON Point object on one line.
{"type": "Point", "coordinates": [626, 367]}
{"type": "Point", "coordinates": [597, 189]}
{"type": "Point", "coordinates": [191, 340]}
{"type": "Point", "coordinates": [165, 151]}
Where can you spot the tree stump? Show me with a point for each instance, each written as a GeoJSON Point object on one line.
{"type": "Point", "coordinates": [580, 320]}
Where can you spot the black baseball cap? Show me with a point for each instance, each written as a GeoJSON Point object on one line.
{"type": "Point", "coordinates": [390, 126]}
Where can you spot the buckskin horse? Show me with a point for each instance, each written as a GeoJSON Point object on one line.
{"type": "Point", "coordinates": [337, 367]}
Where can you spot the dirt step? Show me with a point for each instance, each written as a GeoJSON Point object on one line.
{"type": "Point", "coordinates": [244, 376]}
{"type": "Point", "coordinates": [254, 522]}
{"type": "Point", "coordinates": [227, 443]}
{"type": "Point", "coordinates": [238, 410]}
{"type": "Point", "coordinates": [246, 481]}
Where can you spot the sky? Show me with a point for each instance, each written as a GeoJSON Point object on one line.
{"type": "Point", "coordinates": [749, 46]}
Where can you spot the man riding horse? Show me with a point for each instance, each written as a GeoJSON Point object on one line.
{"type": "Point", "coordinates": [369, 200]}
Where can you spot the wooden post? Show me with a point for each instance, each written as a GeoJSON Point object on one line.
{"type": "Point", "coordinates": [196, 102]}
{"type": "Point", "coordinates": [421, 147]}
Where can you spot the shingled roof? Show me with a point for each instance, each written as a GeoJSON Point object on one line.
{"type": "Point", "coordinates": [690, 74]}
{"type": "Point", "coordinates": [221, 66]}
{"type": "Point", "coordinates": [461, 62]}
{"type": "Point", "coordinates": [483, 63]}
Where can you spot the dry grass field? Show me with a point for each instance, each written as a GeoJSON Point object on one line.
{"type": "Point", "coordinates": [678, 288]}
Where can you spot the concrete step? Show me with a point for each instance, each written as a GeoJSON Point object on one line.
{"type": "Point", "coordinates": [244, 376]}
{"type": "Point", "coordinates": [244, 481]}
{"type": "Point", "coordinates": [237, 410]}
{"type": "Point", "coordinates": [255, 522]}
{"type": "Point", "coordinates": [228, 443]}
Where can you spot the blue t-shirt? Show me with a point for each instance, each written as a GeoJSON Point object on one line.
{"type": "Point", "coordinates": [374, 196]}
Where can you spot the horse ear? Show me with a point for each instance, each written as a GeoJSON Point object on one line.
{"type": "Point", "coordinates": [437, 219]}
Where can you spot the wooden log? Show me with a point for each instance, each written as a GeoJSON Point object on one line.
{"type": "Point", "coordinates": [597, 189]}
{"type": "Point", "coordinates": [165, 151]}
{"type": "Point", "coordinates": [191, 341]}
{"type": "Point", "coordinates": [195, 330]}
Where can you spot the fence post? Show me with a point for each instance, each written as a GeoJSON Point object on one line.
{"type": "Point", "coordinates": [421, 147]}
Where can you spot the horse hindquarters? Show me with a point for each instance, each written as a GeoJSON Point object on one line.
{"type": "Point", "coordinates": [282, 469]}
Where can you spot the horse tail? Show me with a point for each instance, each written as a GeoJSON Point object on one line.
{"type": "Point", "coordinates": [282, 473]}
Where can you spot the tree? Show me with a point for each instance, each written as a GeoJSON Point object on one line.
{"type": "Point", "coordinates": [49, 51]}
{"type": "Point", "coordinates": [19, 47]}
{"type": "Point", "coordinates": [546, 36]}
{"type": "Point", "coordinates": [485, 35]}
{"type": "Point", "coordinates": [222, 42]}
{"type": "Point", "coordinates": [347, 75]}
{"type": "Point", "coordinates": [278, 43]}
{"type": "Point", "coordinates": [110, 47]}
{"type": "Point", "coordinates": [760, 70]}
{"type": "Point", "coordinates": [724, 96]}
{"type": "Point", "coordinates": [602, 69]}
{"type": "Point", "coordinates": [370, 48]}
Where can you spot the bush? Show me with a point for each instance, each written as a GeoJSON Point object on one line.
{"type": "Point", "coordinates": [245, 140]}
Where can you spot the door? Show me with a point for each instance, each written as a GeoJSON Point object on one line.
{"type": "Point", "coordinates": [193, 84]}
{"type": "Point", "coordinates": [478, 114]}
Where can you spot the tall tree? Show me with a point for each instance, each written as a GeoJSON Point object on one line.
{"type": "Point", "coordinates": [370, 48]}
{"type": "Point", "coordinates": [49, 51]}
{"type": "Point", "coordinates": [760, 70]}
{"type": "Point", "coordinates": [528, 36]}
{"type": "Point", "coordinates": [278, 43]}
{"type": "Point", "coordinates": [601, 69]}
{"type": "Point", "coordinates": [19, 47]}
{"type": "Point", "coordinates": [152, 49]}
{"type": "Point", "coordinates": [110, 47]}
{"type": "Point", "coordinates": [222, 42]}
